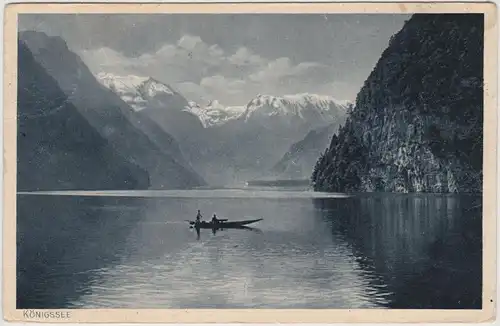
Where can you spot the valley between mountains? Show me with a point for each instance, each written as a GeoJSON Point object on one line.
{"type": "Point", "coordinates": [232, 144]}
{"type": "Point", "coordinates": [153, 130]}
{"type": "Point", "coordinates": [416, 124]}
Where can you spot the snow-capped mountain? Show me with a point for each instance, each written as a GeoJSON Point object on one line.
{"type": "Point", "coordinates": [136, 91]}
{"type": "Point", "coordinates": [146, 92]}
{"type": "Point", "coordinates": [215, 114]}
{"type": "Point", "coordinates": [108, 115]}
{"type": "Point", "coordinates": [260, 133]}
{"type": "Point", "coordinates": [121, 84]}
{"type": "Point", "coordinates": [126, 87]}
{"type": "Point", "coordinates": [227, 142]}
{"type": "Point", "coordinates": [154, 100]}
{"type": "Point", "coordinates": [304, 107]}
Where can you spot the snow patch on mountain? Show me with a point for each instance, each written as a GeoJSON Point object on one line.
{"type": "Point", "coordinates": [152, 88]}
{"type": "Point", "coordinates": [134, 90]}
{"type": "Point", "coordinates": [215, 114]}
{"type": "Point", "coordinates": [140, 92]}
{"type": "Point", "coordinates": [298, 105]}
{"type": "Point", "coordinates": [120, 83]}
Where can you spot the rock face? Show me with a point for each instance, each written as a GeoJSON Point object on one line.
{"type": "Point", "coordinates": [57, 148]}
{"type": "Point", "coordinates": [299, 161]}
{"type": "Point", "coordinates": [137, 138]}
{"type": "Point", "coordinates": [417, 124]}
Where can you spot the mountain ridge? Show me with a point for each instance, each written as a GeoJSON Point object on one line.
{"type": "Point", "coordinates": [57, 148]}
{"type": "Point", "coordinates": [225, 143]}
{"type": "Point", "coordinates": [214, 113]}
{"type": "Point", "coordinates": [293, 104]}
{"type": "Point", "coordinates": [111, 116]}
{"type": "Point", "coordinates": [298, 162]}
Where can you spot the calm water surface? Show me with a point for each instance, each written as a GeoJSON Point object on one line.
{"type": "Point", "coordinates": [401, 251]}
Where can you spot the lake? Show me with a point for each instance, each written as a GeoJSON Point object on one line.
{"type": "Point", "coordinates": [312, 250]}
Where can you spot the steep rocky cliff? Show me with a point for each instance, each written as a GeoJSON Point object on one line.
{"type": "Point", "coordinates": [417, 124]}
{"type": "Point", "coordinates": [138, 139]}
{"type": "Point", "coordinates": [57, 149]}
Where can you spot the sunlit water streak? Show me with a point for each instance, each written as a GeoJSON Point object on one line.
{"type": "Point", "coordinates": [216, 193]}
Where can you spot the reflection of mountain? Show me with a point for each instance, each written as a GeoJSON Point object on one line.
{"type": "Point", "coordinates": [417, 125]}
{"type": "Point", "coordinates": [427, 249]}
{"type": "Point", "coordinates": [57, 147]}
{"type": "Point", "coordinates": [153, 149]}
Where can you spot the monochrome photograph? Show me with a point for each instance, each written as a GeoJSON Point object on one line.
{"type": "Point", "coordinates": [250, 160]}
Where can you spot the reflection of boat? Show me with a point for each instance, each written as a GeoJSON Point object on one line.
{"type": "Point", "coordinates": [218, 228]}
{"type": "Point", "coordinates": [223, 224]}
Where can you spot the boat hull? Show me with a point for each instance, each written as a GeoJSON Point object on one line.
{"type": "Point", "coordinates": [223, 225]}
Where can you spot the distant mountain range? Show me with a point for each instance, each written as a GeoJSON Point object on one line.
{"type": "Point", "coordinates": [177, 142]}
{"type": "Point", "coordinates": [148, 93]}
{"type": "Point", "coordinates": [416, 125]}
{"type": "Point", "coordinates": [228, 143]}
{"type": "Point", "coordinates": [295, 109]}
{"type": "Point", "coordinates": [138, 139]}
{"type": "Point", "coordinates": [249, 146]}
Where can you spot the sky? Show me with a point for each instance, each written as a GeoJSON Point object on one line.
{"type": "Point", "coordinates": [230, 58]}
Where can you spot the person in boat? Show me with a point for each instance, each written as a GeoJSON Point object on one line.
{"type": "Point", "coordinates": [215, 220]}
{"type": "Point", "coordinates": [198, 217]}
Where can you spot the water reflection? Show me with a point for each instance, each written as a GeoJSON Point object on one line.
{"type": "Point", "coordinates": [401, 251]}
{"type": "Point", "coordinates": [62, 244]}
{"type": "Point", "coordinates": [426, 248]}
{"type": "Point", "coordinates": [222, 229]}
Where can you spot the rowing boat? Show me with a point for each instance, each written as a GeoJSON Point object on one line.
{"type": "Point", "coordinates": [222, 224]}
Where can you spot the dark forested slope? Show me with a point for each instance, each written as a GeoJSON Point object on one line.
{"type": "Point", "coordinates": [137, 139]}
{"type": "Point", "coordinates": [57, 149]}
{"type": "Point", "coordinates": [417, 124]}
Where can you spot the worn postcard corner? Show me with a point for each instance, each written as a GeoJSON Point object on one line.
{"type": "Point", "coordinates": [255, 163]}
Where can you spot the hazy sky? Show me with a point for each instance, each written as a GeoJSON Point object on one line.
{"type": "Point", "coordinates": [231, 58]}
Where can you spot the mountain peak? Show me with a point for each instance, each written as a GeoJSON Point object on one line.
{"type": "Point", "coordinates": [215, 104]}
{"type": "Point", "coordinates": [301, 105]}
{"type": "Point", "coordinates": [36, 40]}
{"type": "Point", "coordinates": [135, 90]}
{"type": "Point", "coordinates": [130, 81]}
{"type": "Point", "coordinates": [215, 114]}
{"type": "Point", "coordinates": [153, 87]}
